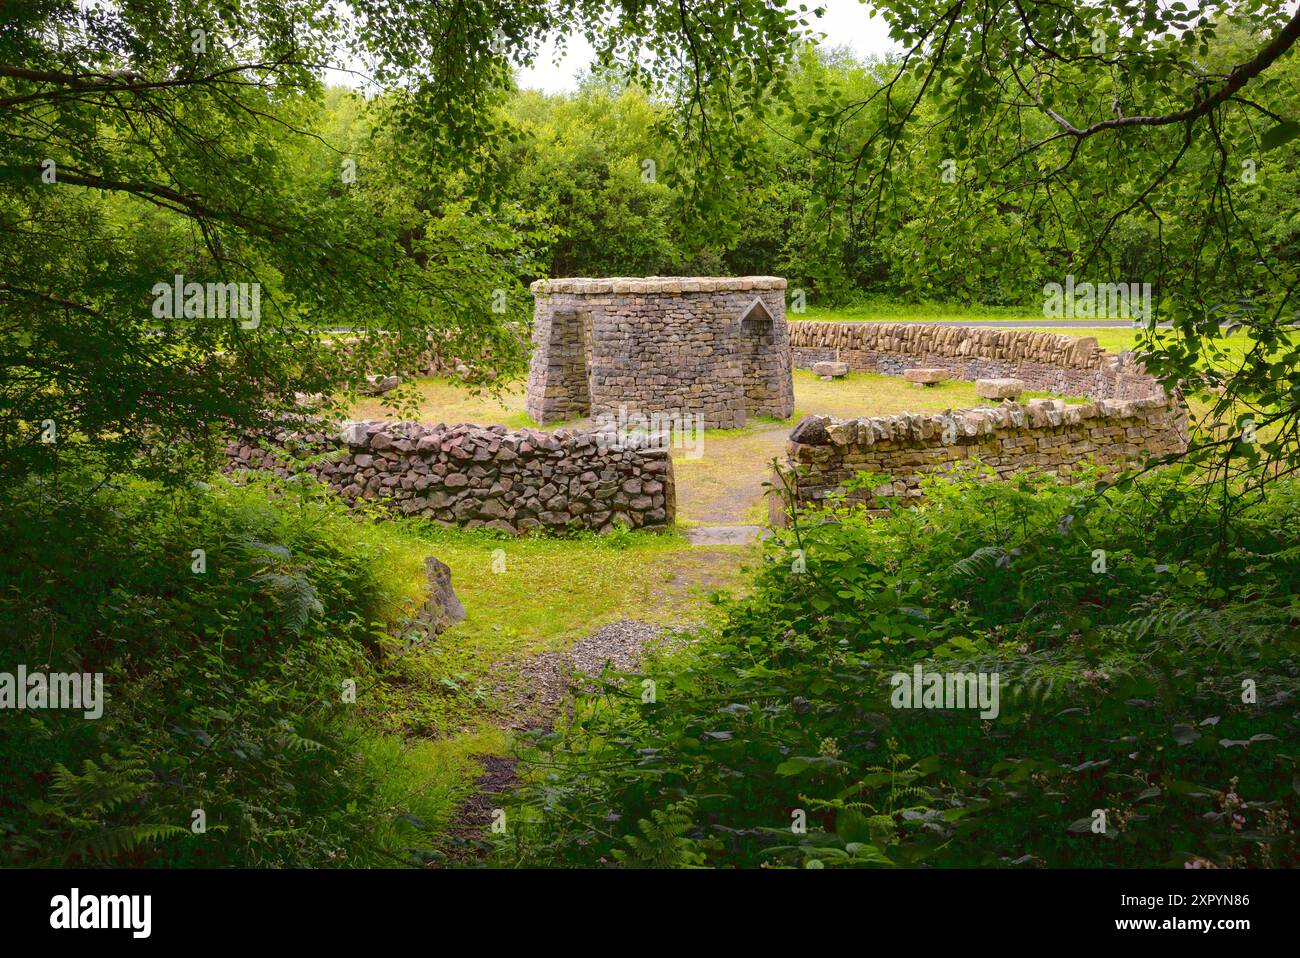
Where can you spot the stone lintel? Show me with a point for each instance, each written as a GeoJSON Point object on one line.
{"type": "Point", "coordinates": [624, 285]}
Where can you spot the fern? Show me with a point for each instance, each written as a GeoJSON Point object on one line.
{"type": "Point", "coordinates": [97, 790]}
{"type": "Point", "coordinates": [83, 801]}
{"type": "Point", "coordinates": [294, 596]}
{"type": "Point", "coordinates": [981, 563]}
{"type": "Point", "coordinates": [663, 842]}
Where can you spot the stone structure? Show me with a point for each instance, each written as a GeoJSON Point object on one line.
{"type": "Point", "coordinates": [1045, 434]}
{"type": "Point", "coordinates": [475, 476]}
{"type": "Point", "coordinates": [711, 347]}
{"type": "Point", "coordinates": [1050, 362]}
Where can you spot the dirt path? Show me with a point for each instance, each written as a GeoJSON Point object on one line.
{"type": "Point", "coordinates": [541, 686]}
{"type": "Point", "coordinates": [541, 690]}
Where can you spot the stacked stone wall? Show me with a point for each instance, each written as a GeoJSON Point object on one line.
{"type": "Point", "coordinates": [1050, 362]}
{"type": "Point", "coordinates": [474, 476]}
{"type": "Point", "coordinates": [1045, 434]}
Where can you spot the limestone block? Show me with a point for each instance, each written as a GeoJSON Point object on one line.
{"type": "Point", "coordinates": [1001, 388]}
{"type": "Point", "coordinates": [926, 376]}
{"type": "Point", "coordinates": [831, 370]}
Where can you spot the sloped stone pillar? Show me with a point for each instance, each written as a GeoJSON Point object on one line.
{"type": "Point", "coordinates": [557, 374]}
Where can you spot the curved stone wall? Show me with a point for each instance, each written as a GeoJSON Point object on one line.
{"type": "Point", "coordinates": [1051, 362]}
{"type": "Point", "coordinates": [707, 349]}
{"type": "Point", "coordinates": [1044, 434]}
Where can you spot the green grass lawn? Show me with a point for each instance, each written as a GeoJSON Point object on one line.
{"type": "Point", "coordinates": [528, 595]}
{"type": "Point", "coordinates": [439, 399]}
{"type": "Point", "coordinates": [884, 311]}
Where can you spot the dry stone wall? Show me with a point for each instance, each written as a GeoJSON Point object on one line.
{"type": "Point", "coordinates": [475, 476]}
{"type": "Point", "coordinates": [1051, 362]}
{"type": "Point", "coordinates": [709, 347]}
{"type": "Point", "coordinates": [1044, 434]}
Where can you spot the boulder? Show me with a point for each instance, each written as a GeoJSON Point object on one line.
{"type": "Point", "coordinates": [355, 433]}
{"type": "Point", "coordinates": [442, 608]}
{"type": "Point", "coordinates": [999, 388]}
{"type": "Point", "coordinates": [831, 370]}
{"type": "Point", "coordinates": [926, 376]}
{"type": "Point", "coordinates": [811, 431]}
{"type": "Point", "coordinates": [378, 385]}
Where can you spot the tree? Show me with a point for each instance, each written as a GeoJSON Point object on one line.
{"type": "Point", "coordinates": [1136, 141]}
{"type": "Point", "coordinates": [150, 145]}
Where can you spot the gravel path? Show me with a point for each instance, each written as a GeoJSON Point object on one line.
{"type": "Point", "coordinates": [542, 684]}
{"type": "Point", "coordinates": [725, 535]}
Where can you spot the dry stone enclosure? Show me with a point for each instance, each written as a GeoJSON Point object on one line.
{"type": "Point", "coordinates": [709, 347]}
{"type": "Point", "coordinates": [708, 351]}
{"type": "Point", "coordinates": [1129, 417]}
{"type": "Point", "coordinates": [465, 475]}
{"type": "Point", "coordinates": [1052, 362]}
{"type": "Point", "coordinates": [1044, 434]}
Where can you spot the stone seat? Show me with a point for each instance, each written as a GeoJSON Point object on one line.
{"type": "Point", "coordinates": [1005, 388]}
{"type": "Point", "coordinates": [831, 370]}
{"type": "Point", "coordinates": [926, 376]}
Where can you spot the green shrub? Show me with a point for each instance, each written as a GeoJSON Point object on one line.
{"type": "Point", "coordinates": [224, 687]}
{"type": "Point", "coordinates": [1121, 691]}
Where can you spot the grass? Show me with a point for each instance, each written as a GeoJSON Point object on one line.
{"type": "Point", "coordinates": [439, 399]}
{"type": "Point", "coordinates": [531, 595]}
{"type": "Point", "coordinates": [884, 311]}
{"type": "Point", "coordinates": [445, 704]}
{"type": "Point", "coordinates": [872, 394]}
{"type": "Point", "coordinates": [425, 782]}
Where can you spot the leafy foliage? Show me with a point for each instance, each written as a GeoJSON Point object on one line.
{"type": "Point", "coordinates": [223, 688]}
{"type": "Point", "coordinates": [1121, 690]}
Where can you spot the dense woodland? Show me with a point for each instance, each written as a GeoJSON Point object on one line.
{"type": "Point", "coordinates": [1005, 147]}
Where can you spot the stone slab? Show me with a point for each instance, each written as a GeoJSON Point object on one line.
{"type": "Point", "coordinates": [926, 376]}
{"type": "Point", "coordinates": [1004, 388]}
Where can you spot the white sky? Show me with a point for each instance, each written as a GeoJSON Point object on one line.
{"type": "Point", "coordinates": [846, 23]}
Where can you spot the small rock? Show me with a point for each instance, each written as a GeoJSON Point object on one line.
{"type": "Point", "coordinates": [831, 370]}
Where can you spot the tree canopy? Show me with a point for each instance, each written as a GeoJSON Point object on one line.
{"type": "Point", "coordinates": [1005, 145]}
